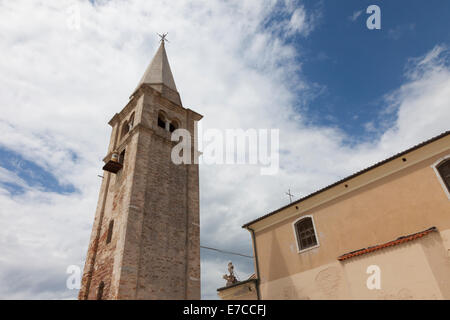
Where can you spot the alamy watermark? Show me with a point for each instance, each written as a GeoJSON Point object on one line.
{"type": "Point", "coordinates": [374, 20]}
{"type": "Point", "coordinates": [374, 280]}
{"type": "Point", "coordinates": [73, 281]}
{"type": "Point", "coordinates": [228, 146]}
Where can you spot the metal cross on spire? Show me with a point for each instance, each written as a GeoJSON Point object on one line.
{"type": "Point", "coordinates": [290, 195]}
{"type": "Point", "coordinates": [163, 37]}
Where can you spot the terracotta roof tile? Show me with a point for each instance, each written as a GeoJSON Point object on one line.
{"type": "Point", "coordinates": [395, 242]}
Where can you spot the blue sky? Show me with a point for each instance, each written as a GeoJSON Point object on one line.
{"type": "Point", "coordinates": [31, 173]}
{"type": "Point", "coordinates": [342, 96]}
{"type": "Point", "coordinates": [358, 66]}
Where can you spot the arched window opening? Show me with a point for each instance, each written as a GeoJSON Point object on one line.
{"type": "Point", "coordinates": [161, 121]}
{"type": "Point", "coordinates": [101, 286]}
{"type": "Point", "coordinates": [444, 171]}
{"type": "Point", "coordinates": [305, 233]}
{"type": "Point", "coordinates": [125, 129]}
{"type": "Point", "coordinates": [173, 126]}
{"type": "Point", "coordinates": [127, 126]}
{"type": "Point", "coordinates": [110, 231]}
{"type": "Point", "coordinates": [131, 122]}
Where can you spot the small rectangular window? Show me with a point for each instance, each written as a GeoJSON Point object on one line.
{"type": "Point", "coordinates": [110, 231]}
{"type": "Point", "coordinates": [100, 290]}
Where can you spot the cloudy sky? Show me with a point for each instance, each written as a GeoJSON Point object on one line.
{"type": "Point", "coordinates": [342, 96]}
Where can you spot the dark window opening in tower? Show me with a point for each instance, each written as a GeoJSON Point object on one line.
{"type": "Point", "coordinates": [101, 286]}
{"type": "Point", "coordinates": [122, 157]}
{"type": "Point", "coordinates": [125, 129]}
{"type": "Point", "coordinates": [161, 122]}
{"type": "Point", "coordinates": [131, 122]}
{"type": "Point", "coordinates": [173, 126]}
{"type": "Point", "coordinates": [110, 231]}
{"type": "Point", "coordinates": [444, 172]}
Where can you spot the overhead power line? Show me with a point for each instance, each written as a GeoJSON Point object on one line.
{"type": "Point", "coordinates": [227, 252]}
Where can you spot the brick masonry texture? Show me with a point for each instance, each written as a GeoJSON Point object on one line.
{"type": "Point", "coordinates": [154, 252]}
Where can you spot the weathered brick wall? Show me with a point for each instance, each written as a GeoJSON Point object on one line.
{"type": "Point", "coordinates": [155, 248]}
{"type": "Point", "coordinates": [102, 256]}
{"type": "Point", "coordinates": [169, 260]}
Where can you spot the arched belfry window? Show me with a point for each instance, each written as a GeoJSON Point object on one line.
{"type": "Point", "coordinates": [125, 129]}
{"type": "Point", "coordinates": [131, 121]}
{"type": "Point", "coordinates": [127, 125]}
{"type": "Point", "coordinates": [305, 233]}
{"type": "Point", "coordinates": [173, 125]}
{"type": "Point", "coordinates": [442, 168]}
{"type": "Point", "coordinates": [162, 120]}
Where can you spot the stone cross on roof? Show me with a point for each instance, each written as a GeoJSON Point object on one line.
{"type": "Point", "coordinates": [290, 195]}
{"type": "Point", "coordinates": [163, 37]}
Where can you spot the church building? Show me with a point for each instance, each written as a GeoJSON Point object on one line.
{"type": "Point", "coordinates": [381, 233]}
{"type": "Point", "coordinates": [145, 241]}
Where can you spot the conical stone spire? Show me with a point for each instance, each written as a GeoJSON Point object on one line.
{"type": "Point", "coordinates": [159, 76]}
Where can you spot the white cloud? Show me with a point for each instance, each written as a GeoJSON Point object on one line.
{"type": "Point", "coordinates": [7, 176]}
{"type": "Point", "coordinates": [59, 87]}
{"type": "Point", "coordinates": [355, 15]}
{"type": "Point", "coordinates": [398, 31]}
{"type": "Point", "coordinates": [298, 22]}
{"type": "Point", "coordinates": [291, 18]}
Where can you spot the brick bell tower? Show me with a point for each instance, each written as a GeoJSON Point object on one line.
{"type": "Point", "coordinates": [145, 241]}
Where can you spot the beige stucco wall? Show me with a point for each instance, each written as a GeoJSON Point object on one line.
{"type": "Point", "coordinates": [413, 270]}
{"type": "Point", "coordinates": [406, 199]}
{"type": "Point", "coordinates": [324, 282]}
{"type": "Point", "coordinates": [405, 273]}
